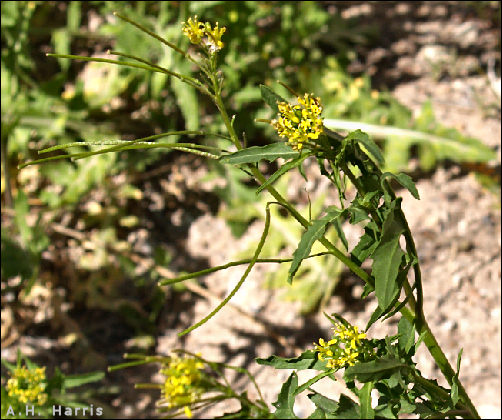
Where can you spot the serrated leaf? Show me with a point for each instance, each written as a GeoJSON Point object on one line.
{"type": "Point", "coordinates": [312, 234]}
{"type": "Point", "coordinates": [364, 395]}
{"type": "Point", "coordinates": [307, 360]}
{"type": "Point", "coordinates": [254, 154]}
{"type": "Point", "coordinates": [286, 400]}
{"type": "Point", "coordinates": [271, 98]}
{"type": "Point", "coordinates": [373, 370]}
{"type": "Point", "coordinates": [370, 147]}
{"type": "Point", "coordinates": [282, 170]}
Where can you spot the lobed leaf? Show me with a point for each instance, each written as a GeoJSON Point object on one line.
{"type": "Point", "coordinates": [286, 399]}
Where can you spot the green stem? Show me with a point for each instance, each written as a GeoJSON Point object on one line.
{"type": "Point", "coordinates": [231, 264]}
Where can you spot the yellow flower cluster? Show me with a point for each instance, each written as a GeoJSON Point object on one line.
{"type": "Point", "coordinates": [28, 385]}
{"type": "Point", "coordinates": [299, 123]}
{"type": "Point", "coordinates": [344, 349]}
{"type": "Point", "coordinates": [182, 386]}
{"type": "Point", "coordinates": [199, 32]}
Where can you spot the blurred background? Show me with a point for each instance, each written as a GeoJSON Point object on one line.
{"type": "Point", "coordinates": [84, 243]}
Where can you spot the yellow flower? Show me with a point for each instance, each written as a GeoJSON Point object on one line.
{"type": "Point", "coordinates": [214, 37]}
{"type": "Point", "coordinates": [182, 386]}
{"type": "Point", "coordinates": [194, 30]}
{"type": "Point", "coordinates": [346, 348]}
{"type": "Point", "coordinates": [28, 386]}
{"type": "Point", "coordinates": [202, 32]}
{"type": "Point", "coordinates": [299, 123]}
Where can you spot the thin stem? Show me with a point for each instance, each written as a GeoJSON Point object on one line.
{"type": "Point", "coordinates": [232, 264]}
{"type": "Point", "coordinates": [106, 60]}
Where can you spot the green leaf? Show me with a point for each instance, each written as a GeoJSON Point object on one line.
{"type": "Point", "coordinates": [369, 146]}
{"type": "Point", "coordinates": [405, 181]}
{"type": "Point", "coordinates": [373, 370]}
{"type": "Point", "coordinates": [254, 154]}
{"type": "Point", "coordinates": [307, 360]}
{"type": "Point", "coordinates": [357, 214]}
{"type": "Point", "coordinates": [316, 414]}
{"type": "Point", "coordinates": [347, 409]}
{"type": "Point", "coordinates": [282, 170]}
{"type": "Point", "coordinates": [286, 399]}
{"type": "Point", "coordinates": [271, 98]}
{"type": "Point", "coordinates": [364, 395]}
{"type": "Point", "coordinates": [387, 259]}
{"type": "Point", "coordinates": [327, 405]}
{"type": "Point", "coordinates": [406, 334]}
{"type": "Point", "coordinates": [459, 359]}
{"type": "Point", "coordinates": [341, 234]}
{"type": "Point", "coordinates": [367, 244]}
{"type": "Point", "coordinates": [454, 391]}
{"type": "Point", "coordinates": [455, 382]}
{"type": "Point", "coordinates": [335, 318]}
{"type": "Point", "coordinates": [312, 234]}
{"type": "Point", "coordinates": [406, 406]}
{"type": "Point", "coordinates": [187, 99]}
{"type": "Point", "coordinates": [84, 378]}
